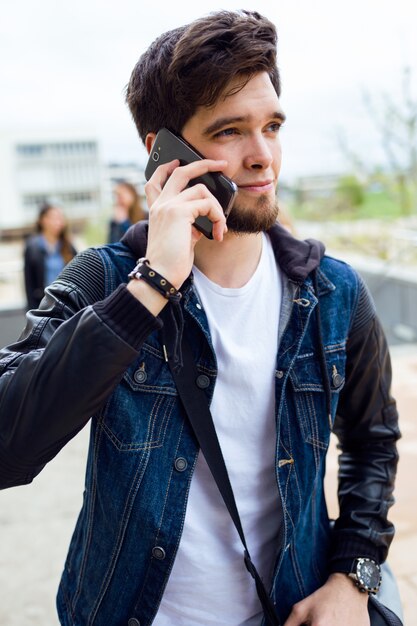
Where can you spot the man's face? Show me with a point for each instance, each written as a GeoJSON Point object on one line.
{"type": "Point", "coordinates": [243, 129]}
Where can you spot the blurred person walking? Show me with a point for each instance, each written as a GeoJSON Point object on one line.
{"type": "Point", "coordinates": [127, 210]}
{"type": "Point", "coordinates": [46, 253]}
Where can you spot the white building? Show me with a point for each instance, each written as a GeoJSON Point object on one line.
{"type": "Point", "coordinates": [61, 167]}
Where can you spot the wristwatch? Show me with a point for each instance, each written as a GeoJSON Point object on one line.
{"type": "Point", "coordinates": [366, 574]}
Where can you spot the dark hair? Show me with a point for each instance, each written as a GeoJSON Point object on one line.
{"type": "Point", "coordinates": [192, 65]}
{"type": "Point", "coordinates": [67, 249]}
{"type": "Point", "coordinates": [136, 212]}
{"type": "Point", "coordinates": [44, 208]}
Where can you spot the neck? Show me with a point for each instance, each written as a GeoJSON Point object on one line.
{"type": "Point", "coordinates": [230, 263]}
{"type": "Point", "coordinates": [50, 238]}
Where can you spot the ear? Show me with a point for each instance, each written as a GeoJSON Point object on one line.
{"type": "Point", "coordinates": [150, 138]}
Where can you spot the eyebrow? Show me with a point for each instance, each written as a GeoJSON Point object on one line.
{"type": "Point", "coordinates": [225, 121]}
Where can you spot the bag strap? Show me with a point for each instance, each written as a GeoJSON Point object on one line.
{"type": "Point", "coordinates": [196, 406]}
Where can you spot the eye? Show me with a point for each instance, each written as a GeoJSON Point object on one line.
{"type": "Point", "coordinates": [226, 132]}
{"type": "Point", "coordinates": [274, 127]}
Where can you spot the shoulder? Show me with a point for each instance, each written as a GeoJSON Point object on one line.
{"type": "Point", "coordinates": [339, 270]}
{"type": "Point", "coordinates": [116, 256]}
{"type": "Point", "coordinates": [346, 281]}
{"type": "Point", "coordinates": [98, 271]}
{"type": "Point", "coordinates": [34, 251]}
{"type": "Point", "coordinates": [351, 291]}
{"type": "Point", "coordinates": [34, 242]}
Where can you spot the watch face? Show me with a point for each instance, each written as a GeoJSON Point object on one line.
{"type": "Point", "coordinates": [369, 574]}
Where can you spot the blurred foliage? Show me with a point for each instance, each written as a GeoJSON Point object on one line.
{"type": "Point", "coordinates": [349, 200]}
{"type": "Point", "coordinates": [355, 216]}
{"type": "Point", "coordinates": [350, 191]}
{"type": "Point", "coordinates": [395, 121]}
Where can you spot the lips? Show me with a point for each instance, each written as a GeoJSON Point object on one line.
{"type": "Point", "coordinates": [261, 186]}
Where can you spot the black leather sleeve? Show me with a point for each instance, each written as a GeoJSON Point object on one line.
{"type": "Point", "coordinates": [72, 353]}
{"type": "Point", "coordinates": [367, 428]}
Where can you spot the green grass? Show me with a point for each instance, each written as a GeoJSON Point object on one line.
{"type": "Point", "coordinates": [378, 205]}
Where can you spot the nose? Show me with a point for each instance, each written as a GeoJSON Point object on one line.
{"type": "Point", "coordinates": [259, 153]}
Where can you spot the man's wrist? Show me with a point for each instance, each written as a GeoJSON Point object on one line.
{"type": "Point", "coordinates": [343, 579]}
{"type": "Point", "coordinates": [147, 295]}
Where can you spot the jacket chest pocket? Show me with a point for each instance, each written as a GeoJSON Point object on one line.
{"type": "Point", "coordinates": [138, 412]}
{"type": "Point", "coordinates": [310, 396]}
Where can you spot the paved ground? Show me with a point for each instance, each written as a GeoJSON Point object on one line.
{"type": "Point", "coordinates": [36, 521]}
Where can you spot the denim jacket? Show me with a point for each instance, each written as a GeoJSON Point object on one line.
{"type": "Point", "coordinates": [93, 350]}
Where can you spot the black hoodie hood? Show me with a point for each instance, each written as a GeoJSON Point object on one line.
{"type": "Point", "coordinates": [296, 258]}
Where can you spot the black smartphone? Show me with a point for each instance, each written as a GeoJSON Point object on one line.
{"type": "Point", "coordinates": [167, 147]}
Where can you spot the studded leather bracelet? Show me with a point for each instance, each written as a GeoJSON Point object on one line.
{"type": "Point", "coordinates": [143, 271]}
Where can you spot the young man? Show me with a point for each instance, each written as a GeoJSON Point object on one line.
{"type": "Point", "coordinates": [287, 346]}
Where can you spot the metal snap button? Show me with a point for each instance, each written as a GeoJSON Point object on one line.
{"type": "Point", "coordinates": [180, 464]}
{"type": "Point", "coordinates": [198, 305]}
{"type": "Point", "coordinates": [158, 553]}
{"type": "Point", "coordinates": [279, 374]}
{"type": "Point", "coordinates": [140, 375]}
{"type": "Point", "coordinates": [202, 381]}
{"type": "Point", "coordinates": [133, 622]}
{"type": "Point", "coordinates": [337, 379]}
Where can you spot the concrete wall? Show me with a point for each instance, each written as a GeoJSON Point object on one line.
{"type": "Point", "coordinates": [396, 304]}
{"type": "Point", "coordinates": [12, 322]}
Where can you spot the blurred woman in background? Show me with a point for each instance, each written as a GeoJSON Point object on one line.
{"type": "Point", "coordinates": [46, 253]}
{"type": "Point", "coordinates": [127, 210]}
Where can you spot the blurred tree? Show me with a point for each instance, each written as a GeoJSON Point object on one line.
{"type": "Point", "coordinates": [396, 124]}
{"type": "Point", "coordinates": [351, 191]}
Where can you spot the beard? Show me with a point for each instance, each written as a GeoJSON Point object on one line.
{"type": "Point", "coordinates": [255, 219]}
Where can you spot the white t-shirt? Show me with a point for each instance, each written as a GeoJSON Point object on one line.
{"type": "Point", "coordinates": [209, 584]}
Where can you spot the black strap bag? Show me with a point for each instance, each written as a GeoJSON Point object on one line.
{"type": "Point", "coordinates": [380, 615]}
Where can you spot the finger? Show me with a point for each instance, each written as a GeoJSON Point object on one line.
{"type": "Point", "coordinates": [219, 225]}
{"type": "Point", "coordinates": [219, 231]}
{"type": "Point", "coordinates": [195, 236]}
{"type": "Point", "coordinates": [172, 178]}
{"type": "Point", "coordinates": [298, 616]}
{"type": "Point", "coordinates": [197, 191]}
{"type": "Point", "coordinates": [206, 207]}
{"type": "Point", "coordinates": [209, 208]}
{"type": "Point", "coordinates": [218, 220]}
{"type": "Point", "coordinates": [182, 175]}
{"type": "Point", "coordinates": [180, 201]}
{"type": "Point", "coordinates": [158, 179]}
{"type": "Point", "coordinates": [195, 195]}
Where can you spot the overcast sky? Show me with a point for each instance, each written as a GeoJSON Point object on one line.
{"type": "Point", "coordinates": [65, 65]}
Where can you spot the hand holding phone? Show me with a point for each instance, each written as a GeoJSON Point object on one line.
{"type": "Point", "coordinates": [167, 147]}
